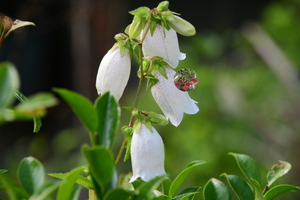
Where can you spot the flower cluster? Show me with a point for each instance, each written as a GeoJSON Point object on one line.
{"type": "Point", "coordinates": [156, 32]}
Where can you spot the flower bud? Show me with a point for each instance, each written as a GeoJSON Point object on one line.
{"type": "Point", "coordinates": [182, 26]}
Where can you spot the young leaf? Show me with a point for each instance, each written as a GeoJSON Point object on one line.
{"type": "Point", "coordinates": [182, 176]}
{"type": "Point", "coordinates": [83, 181]}
{"type": "Point", "coordinates": [145, 190]}
{"type": "Point", "coordinates": [31, 174]}
{"type": "Point", "coordinates": [248, 166]}
{"type": "Point", "coordinates": [9, 82]}
{"type": "Point", "coordinates": [278, 190]}
{"type": "Point", "coordinates": [257, 190]}
{"type": "Point", "coordinates": [215, 190]}
{"type": "Point", "coordinates": [67, 187]}
{"type": "Point", "coordinates": [117, 193]}
{"type": "Point", "coordinates": [240, 187]}
{"type": "Point", "coordinates": [81, 106]}
{"type": "Point", "coordinates": [108, 114]}
{"type": "Point", "coordinates": [45, 190]}
{"type": "Point", "coordinates": [278, 171]}
{"type": "Point", "coordinates": [101, 165]}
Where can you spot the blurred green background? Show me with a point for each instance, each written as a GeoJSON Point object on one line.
{"type": "Point", "coordinates": [248, 90]}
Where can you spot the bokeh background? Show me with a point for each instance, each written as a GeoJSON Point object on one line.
{"type": "Point", "coordinates": [246, 55]}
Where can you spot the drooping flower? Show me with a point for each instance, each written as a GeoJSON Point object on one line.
{"type": "Point", "coordinates": [147, 154]}
{"type": "Point", "coordinates": [173, 102]}
{"type": "Point", "coordinates": [163, 43]}
{"type": "Point", "coordinates": [113, 72]}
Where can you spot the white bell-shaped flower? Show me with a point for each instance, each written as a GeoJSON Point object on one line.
{"type": "Point", "coordinates": [173, 102]}
{"type": "Point", "coordinates": [163, 43]}
{"type": "Point", "coordinates": [147, 154]}
{"type": "Point", "coordinates": [113, 72]}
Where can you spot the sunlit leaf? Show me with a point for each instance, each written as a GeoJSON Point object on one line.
{"type": "Point", "coordinates": [45, 190]}
{"type": "Point", "coordinates": [248, 166]}
{"type": "Point", "coordinates": [145, 190]}
{"type": "Point", "coordinates": [277, 171]}
{"type": "Point", "coordinates": [83, 181]}
{"type": "Point", "coordinates": [257, 190]}
{"type": "Point", "coordinates": [182, 176]}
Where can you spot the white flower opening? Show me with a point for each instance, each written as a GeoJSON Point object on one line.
{"type": "Point", "coordinates": [113, 73]}
{"type": "Point", "coordinates": [147, 154]}
{"type": "Point", "coordinates": [172, 101]}
{"type": "Point", "coordinates": [163, 45]}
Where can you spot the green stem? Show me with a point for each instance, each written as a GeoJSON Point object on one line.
{"type": "Point", "coordinates": [136, 101]}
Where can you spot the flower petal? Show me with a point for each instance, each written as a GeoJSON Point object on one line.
{"type": "Point", "coordinates": [147, 154]}
{"type": "Point", "coordinates": [172, 101]}
{"type": "Point", "coordinates": [164, 44]}
{"type": "Point", "coordinates": [113, 73]}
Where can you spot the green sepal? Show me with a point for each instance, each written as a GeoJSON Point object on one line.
{"type": "Point", "coordinates": [157, 118]}
{"type": "Point", "coordinates": [151, 81]}
{"type": "Point", "coordinates": [142, 12]}
{"type": "Point", "coordinates": [163, 6]}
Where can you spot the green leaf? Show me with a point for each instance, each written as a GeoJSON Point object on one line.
{"type": "Point", "coordinates": [240, 187]}
{"type": "Point", "coordinates": [185, 196]}
{"type": "Point", "coordinates": [257, 190]}
{"type": "Point", "coordinates": [277, 171]}
{"type": "Point", "coordinates": [248, 166]}
{"type": "Point", "coordinates": [82, 107]}
{"type": "Point", "coordinates": [45, 190]}
{"type": "Point", "coordinates": [145, 190]}
{"type": "Point", "coordinates": [76, 192]}
{"type": "Point", "coordinates": [278, 190]}
{"type": "Point", "coordinates": [31, 174]}
{"type": "Point", "coordinates": [188, 193]}
{"type": "Point", "coordinates": [3, 170]}
{"type": "Point", "coordinates": [9, 82]}
{"type": "Point", "coordinates": [117, 193]}
{"type": "Point", "coordinates": [163, 197]}
{"type": "Point", "coordinates": [36, 120]}
{"type": "Point", "coordinates": [108, 114]}
{"type": "Point", "coordinates": [66, 188]}
{"type": "Point", "coordinates": [215, 189]}
{"type": "Point", "coordinates": [83, 181]}
{"type": "Point", "coordinates": [101, 165]}
{"type": "Point", "coordinates": [182, 176]}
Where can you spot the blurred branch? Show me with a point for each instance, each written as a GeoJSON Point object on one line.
{"type": "Point", "coordinates": [274, 57]}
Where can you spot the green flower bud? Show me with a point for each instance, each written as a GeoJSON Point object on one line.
{"type": "Point", "coordinates": [182, 26]}
{"type": "Point", "coordinates": [163, 6]}
{"type": "Point", "coordinates": [136, 27]}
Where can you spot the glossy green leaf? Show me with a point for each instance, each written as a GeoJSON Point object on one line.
{"type": "Point", "coordinates": [257, 190]}
{"type": "Point", "coordinates": [182, 176]}
{"type": "Point", "coordinates": [240, 187]}
{"type": "Point", "coordinates": [3, 170]}
{"type": "Point", "coordinates": [185, 196]}
{"type": "Point", "coordinates": [45, 190]}
{"type": "Point", "coordinates": [108, 114]}
{"type": "Point", "coordinates": [66, 188]}
{"type": "Point", "coordinates": [82, 107]}
{"type": "Point", "coordinates": [101, 165]}
{"type": "Point", "coordinates": [278, 190]}
{"type": "Point", "coordinates": [145, 190]}
{"type": "Point", "coordinates": [117, 193]}
{"type": "Point", "coordinates": [9, 83]}
{"type": "Point", "coordinates": [278, 171]}
{"type": "Point", "coordinates": [83, 181]}
{"type": "Point", "coordinates": [215, 189]}
{"type": "Point", "coordinates": [163, 197]}
{"type": "Point", "coordinates": [31, 174]}
{"type": "Point", "coordinates": [248, 166]}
